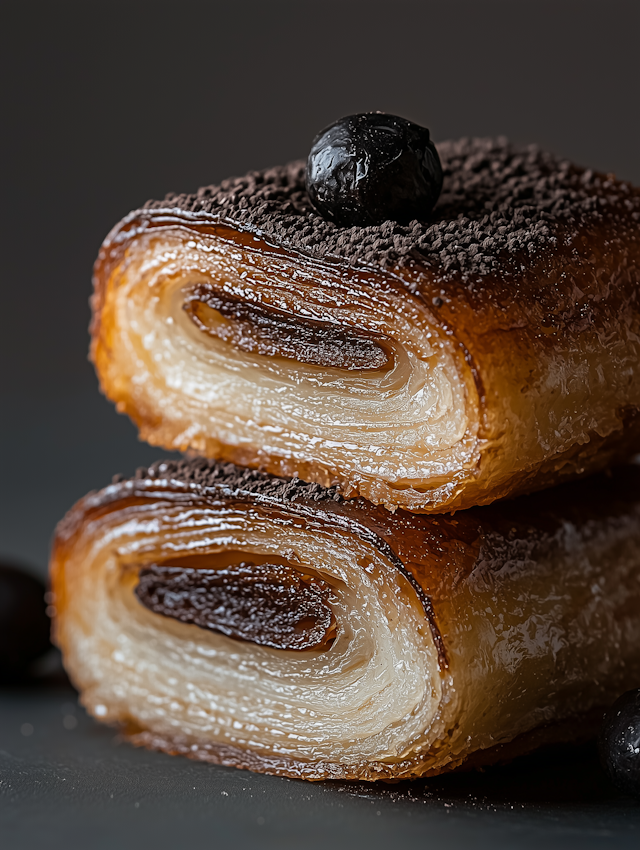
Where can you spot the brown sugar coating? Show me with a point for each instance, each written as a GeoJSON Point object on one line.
{"type": "Point", "coordinates": [499, 204]}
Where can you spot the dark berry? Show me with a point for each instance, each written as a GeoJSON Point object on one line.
{"type": "Point", "coordinates": [372, 167]}
{"type": "Point", "coordinates": [619, 743]}
{"type": "Point", "coordinates": [24, 624]}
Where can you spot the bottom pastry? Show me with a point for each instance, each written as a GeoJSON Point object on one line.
{"type": "Point", "coordinates": [245, 620]}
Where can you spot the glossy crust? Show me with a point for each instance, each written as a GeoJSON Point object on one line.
{"type": "Point", "coordinates": [541, 346]}
{"type": "Point", "coordinates": [532, 608]}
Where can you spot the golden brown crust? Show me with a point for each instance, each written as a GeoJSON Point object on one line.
{"type": "Point", "coordinates": [532, 607]}
{"type": "Point", "coordinates": [546, 350]}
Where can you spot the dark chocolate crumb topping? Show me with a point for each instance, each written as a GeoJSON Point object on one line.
{"type": "Point", "coordinates": [497, 201]}
{"type": "Point", "coordinates": [233, 479]}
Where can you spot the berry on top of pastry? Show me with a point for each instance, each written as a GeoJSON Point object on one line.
{"type": "Point", "coordinates": [373, 167]}
{"type": "Point", "coordinates": [486, 347]}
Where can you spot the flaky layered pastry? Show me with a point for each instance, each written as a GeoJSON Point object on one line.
{"type": "Point", "coordinates": [272, 625]}
{"type": "Point", "coordinates": [432, 366]}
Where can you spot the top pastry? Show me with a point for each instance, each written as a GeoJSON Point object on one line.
{"type": "Point", "coordinates": [486, 350]}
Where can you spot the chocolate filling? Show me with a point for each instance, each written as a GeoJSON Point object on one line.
{"type": "Point", "coordinates": [268, 604]}
{"type": "Point", "coordinates": [270, 332]}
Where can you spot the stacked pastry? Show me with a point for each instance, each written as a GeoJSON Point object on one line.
{"type": "Point", "coordinates": [315, 590]}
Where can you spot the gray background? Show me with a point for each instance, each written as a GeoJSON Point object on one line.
{"type": "Point", "coordinates": [108, 104]}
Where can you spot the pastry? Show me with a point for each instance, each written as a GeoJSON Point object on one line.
{"type": "Point", "coordinates": [271, 624]}
{"type": "Point", "coordinates": [489, 349]}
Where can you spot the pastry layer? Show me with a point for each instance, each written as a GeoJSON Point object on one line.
{"type": "Point", "coordinates": [272, 625]}
{"type": "Point", "coordinates": [431, 366]}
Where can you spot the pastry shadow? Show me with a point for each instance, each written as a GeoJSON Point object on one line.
{"type": "Point", "coordinates": [560, 775]}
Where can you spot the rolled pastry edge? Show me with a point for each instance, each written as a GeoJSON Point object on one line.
{"type": "Point", "coordinates": [508, 403]}
{"type": "Point", "coordinates": [459, 641]}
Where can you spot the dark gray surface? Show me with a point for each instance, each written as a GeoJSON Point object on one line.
{"type": "Point", "coordinates": [108, 104]}
{"type": "Point", "coordinates": [67, 782]}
